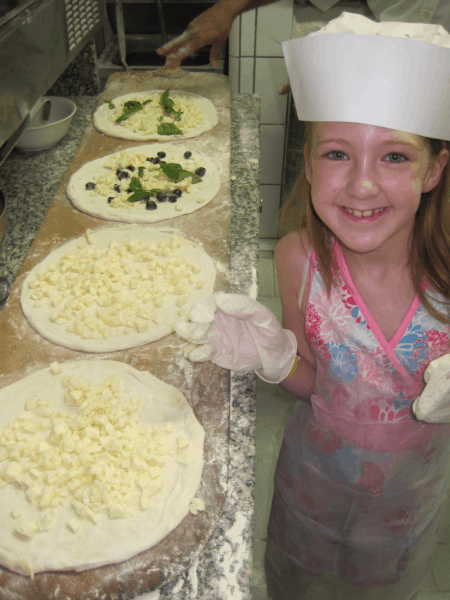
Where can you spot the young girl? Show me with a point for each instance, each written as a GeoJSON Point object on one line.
{"type": "Point", "coordinates": [364, 282]}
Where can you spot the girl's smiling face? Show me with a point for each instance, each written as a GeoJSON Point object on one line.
{"type": "Point", "coordinates": [367, 181]}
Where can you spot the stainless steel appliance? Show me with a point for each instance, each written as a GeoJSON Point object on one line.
{"type": "Point", "coordinates": [38, 40]}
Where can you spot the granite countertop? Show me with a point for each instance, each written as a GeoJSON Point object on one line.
{"type": "Point", "coordinates": [29, 181]}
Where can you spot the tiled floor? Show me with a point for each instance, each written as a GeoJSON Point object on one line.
{"type": "Point", "coordinates": [273, 408]}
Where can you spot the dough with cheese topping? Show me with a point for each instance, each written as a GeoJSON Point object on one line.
{"type": "Point", "coordinates": [103, 173]}
{"type": "Point", "coordinates": [96, 477]}
{"type": "Point", "coordinates": [199, 115]}
{"type": "Point", "coordinates": [116, 288]}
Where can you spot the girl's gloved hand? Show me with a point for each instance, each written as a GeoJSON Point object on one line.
{"type": "Point", "coordinates": [240, 334]}
{"type": "Point", "coordinates": [211, 27]}
{"type": "Point", "coordinates": [433, 405]}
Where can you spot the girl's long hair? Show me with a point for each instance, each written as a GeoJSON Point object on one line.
{"type": "Point", "coordinates": [429, 258]}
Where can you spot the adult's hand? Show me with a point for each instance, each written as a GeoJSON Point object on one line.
{"type": "Point", "coordinates": [211, 27]}
{"type": "Point", "coordinates": [285, 89]}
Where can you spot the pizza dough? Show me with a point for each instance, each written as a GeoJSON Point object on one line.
{"type": "Point", "coordinates": [112, 179]}
{"type": "Point", "coordinates": [98, 464]}
{"type": "Point", "coordinates": [116, 288]}
{"type": "Point", "coordinates": [199, 115]}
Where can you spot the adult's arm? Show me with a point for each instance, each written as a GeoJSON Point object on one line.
{"type": "Point", "coordinates": [210, 27]}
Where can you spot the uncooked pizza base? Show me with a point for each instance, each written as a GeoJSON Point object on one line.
{"type": "Point", "coordinates": [39, 318]}
{"type": "Point", "coordinates": [103, 120]}
{"type": "Point", "coordinates": [97, 206]}
{"type": "Point", "coordinates": [111, 540]}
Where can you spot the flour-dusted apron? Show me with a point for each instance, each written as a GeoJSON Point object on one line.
{"type": "Point", "coordinates": [360, 484]}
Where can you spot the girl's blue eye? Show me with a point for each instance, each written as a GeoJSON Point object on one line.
{"type": "Point", "coordinates": [396, 157]}
{"type": "Point", "coordinates": [336, 155]}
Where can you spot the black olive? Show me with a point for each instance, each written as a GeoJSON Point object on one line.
{"type": "Point", "coordinates": [172, 198]}
{"type": "Point", "coordinates": [123, 175]}
{"type": "Point", "coordinates": [110, 199]}
{"type": "Point", "coordinates": [151, 205]}
{"type": "Point", "coordinates": [162, 154]}
{"type": "Point", "coordinates": [156, 161]}
{"type": "Point", "coordinates": [129, 191]}
{"type": "Point", "coordinates": [177, 192]}
{"type": "Point", "coordinates": [146, 197]}
{"type": "Point", "coordinates": [200, 171]}
{"type": "Point", "coordinates": [187, 154]}
{"type": "Point", "coordinates": [150, 159]}
{"type": "Point", "coordinates": [163, 162]}
{"type": "Point", "coordinates": [161, 196]}
{"type": "Point", "coordinates": [131, 168]}
{"type": "Point", "coordinates": [90, 185]}
{"type": "Point", "coordinates": [117, 188]}
{"type": "Point", "coordinates": [119, 171]}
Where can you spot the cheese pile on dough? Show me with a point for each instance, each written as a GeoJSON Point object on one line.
{"type": "Point", "coordinates": [107, 184]}
{"type": "Point", "coordinates": [147, 120]}
{"type": "Point", "coordinates": [98, 459]}
{"type": "Point", "coordinates": [122, 289]}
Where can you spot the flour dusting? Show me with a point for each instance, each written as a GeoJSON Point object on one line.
{"type": "Point", "coordinates": [232, 555]}
{"type": "Point", "coordinates": [150, 596]}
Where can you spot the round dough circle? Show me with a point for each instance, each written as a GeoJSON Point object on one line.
{"type": "Point", "coordinates": [39, 318]}
{"type": "Point", "coordinates": [111, 540]}
{"type": "Point", "coordinates": [104, 124]}
{"type": "Point", "coordinates": [98, 206]}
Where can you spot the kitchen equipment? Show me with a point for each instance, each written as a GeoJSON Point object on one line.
{"type": "Point", "coordinates": [5, 285]}
{"type": "Point", "coordinates": [49, 126]}
{"type": "Point", "coordinates": [139, 28]}
{"type": "Point", "coordinates": [162, 72]}
{"type": "Point", "coordinates": [38, 40]}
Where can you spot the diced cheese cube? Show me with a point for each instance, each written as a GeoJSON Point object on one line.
{"type": "Point", "coordinates": [55, 367]}
{"type": "Point", "coordinates": [183, 457]}
{"type": "Point", "coordinates": [196, 505]}
{"type": "Point", "coordinates": [26, 528]}
{"type": "Point", "coordinates": [73, 525]}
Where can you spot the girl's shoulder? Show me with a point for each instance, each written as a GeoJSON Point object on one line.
{"type": "Point", "coordinates": [292, 251]}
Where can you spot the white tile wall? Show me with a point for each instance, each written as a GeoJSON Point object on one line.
{"type": "Point", "coordinates": [247, 75]}
{"type": "Point", "coordinates": [268, 218]}
{"type": "Point", "coordinates": [256, 66]}
{"type": "Point", "coordinates": [233, 72]}
{"type": "Point", "coordinates": [274, 25]}
{"type": "Point", "coordinates": [248, 33]}
{"type": "Point", "coordinates": [271, 147]}
{"type": "Point", "coordinates": [270, 75]}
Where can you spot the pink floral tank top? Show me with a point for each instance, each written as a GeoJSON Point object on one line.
{"type": "Point", "coordinates": [365, 386]}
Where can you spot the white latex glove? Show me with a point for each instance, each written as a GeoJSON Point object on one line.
{"type": "Point", "coordinates": [240, 334]}
{"type": "Point", "coordinates": [433, 405]}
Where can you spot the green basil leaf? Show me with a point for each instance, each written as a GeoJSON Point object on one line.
{"type": "Point", "coordinates": [168, 129]}
{"type": "Point", "coordinates": [138, 190]}
{"type": "Point", "coordinates": [168, 106]}
{"type": "Point", "coordinates": [135, 185]}
{"type": "Point", "coordinates": [141, 171]}
{"type": "Point", "coordinates": [176, 173]}
{"type": "Point", "coordinates": [137, 196]}
{"type": "Point", "coordinates": [109, 103]}
{"type": "Point", "coordinates": [166, 102]}
{"type": "Point", "coordinates": [130, 108]}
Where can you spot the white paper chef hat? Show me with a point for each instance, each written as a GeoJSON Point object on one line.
{"type": "Point", "coordinates": [390, 74]}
